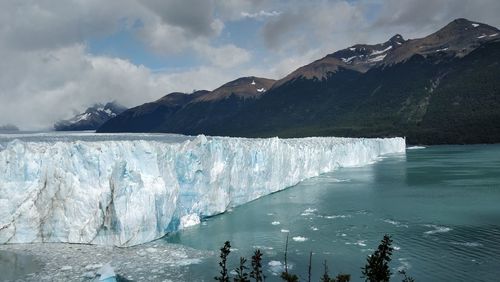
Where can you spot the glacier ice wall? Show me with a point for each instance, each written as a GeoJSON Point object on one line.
{"type": "Point", "coordinates": [127, 192]}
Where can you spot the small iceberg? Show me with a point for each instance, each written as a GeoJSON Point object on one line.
{"type": "Point", "coordinates": [106, 273]}
{"type": "Point", "coordinates": [415, 147]}
{"type": "Point", "coordinates": [299, 239]}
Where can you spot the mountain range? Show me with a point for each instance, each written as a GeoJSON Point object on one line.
{"type": "Point", "coordinates": [92, 118]}
{"type": "Point", "coordinates": [440, 89]}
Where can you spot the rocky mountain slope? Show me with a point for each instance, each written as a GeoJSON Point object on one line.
{"type": "Point", "coordinates": [442, 88]}
{"type": "Point", "coordinates": [157, 116]}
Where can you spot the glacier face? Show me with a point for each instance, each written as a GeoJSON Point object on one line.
{"type": "Point", "coordinates": [128, 192]}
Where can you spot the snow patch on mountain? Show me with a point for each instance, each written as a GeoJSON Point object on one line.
{"type": "Point", "coordinates": [381, 51]}
{"type": "Point", "coordinates": [377, 59]}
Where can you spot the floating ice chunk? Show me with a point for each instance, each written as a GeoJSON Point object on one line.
{"type": "Point", "coordinates": [263, 248]}
{"type": "Point", "coordinates": [89, 275]}
{"type": "Point", "coordinates": [394, 222]}
{"type": "Point", "coordinates": [415, 147]}
{"type": "Point", "coordinates": [308, 211]}
{"type": "Point", "coordinates": [275, 223]}
{"type": "Point", "coordinates": [314, 228]}
{"type": "Point", "coordinates": [337, 216]}
{"type": "Point", "coordinates": [299, 239]}
{"type": "Point", "coordinates": [437, 229]}
{"type": "Point", "coordinates": [405, 265]}
{"type": "Point", "coordinates": [276, 267]}
{"type": "Point", "coordinates": [93, 266]}
{"type": "Point", "coordinates": [361, 243]}
{"type": "Point", "coordinates": [106, 273]}
{"type": "Point", "coordinates": [468, 244]}
{"type": "Point", "coordinates": [274, 263]}
{"type": "Point", "coordinates": [189, 220]}
{"type": "Point", "coordinates": [285, 231]}
{"type": "Point", "coordinates": [66, 268]}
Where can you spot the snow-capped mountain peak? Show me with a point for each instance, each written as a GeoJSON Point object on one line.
{"type": "Point", "coordinates": [92, 118]}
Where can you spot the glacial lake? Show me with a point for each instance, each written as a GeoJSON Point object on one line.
{"type": "Point", "coordinates": [441, 205]}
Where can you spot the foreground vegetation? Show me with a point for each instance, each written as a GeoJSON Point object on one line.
{"type": "Point", "coordinates": [376, 269]}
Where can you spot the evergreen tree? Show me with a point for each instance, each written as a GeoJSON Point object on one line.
{"type": "Point", "coordinates": [342, 278]}
{"type": "Point", "coordinates": [224, 252]}
{"type": "Point", "coordinates": [285, 275]}
{"type": "Point", "coordinates": [325, 277]}
{"type": "Point", "coordinates": [256, 272]}
{"type": "Point", "coordinates": [377, 265]}
{"type": "Point", "coordinates": [406, 277]}
{"type": "Point", "coordinates": [241, 274]}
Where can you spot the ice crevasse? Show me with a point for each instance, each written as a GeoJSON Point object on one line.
{"type": "Point", "coordinates": [128, 192]}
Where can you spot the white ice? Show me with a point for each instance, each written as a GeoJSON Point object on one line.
{"type": "Point", "coordinates": [128, 192]}
{"type": "Point", "coordinates": [381, 51]}
{"type": "Point", "coordinates": [299, 239]}
{"type": "Point", "coordinates": [377, 59]}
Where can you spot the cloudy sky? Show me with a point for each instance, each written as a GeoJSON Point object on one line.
{"type": "Point", "coordinates": [60, 56]}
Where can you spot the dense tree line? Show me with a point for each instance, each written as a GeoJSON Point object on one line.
{"type": "Point", "coordinates": [376, 269]}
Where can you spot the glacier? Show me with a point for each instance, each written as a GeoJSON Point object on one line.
{"type": "Point", "coordinates": [126, 191]}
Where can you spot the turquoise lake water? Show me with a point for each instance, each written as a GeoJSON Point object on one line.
{"type": "Point", "coordinates": [441, 205]}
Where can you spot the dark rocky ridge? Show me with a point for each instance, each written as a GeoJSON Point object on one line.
{"type": "Point", "coordinates": [440, 89]}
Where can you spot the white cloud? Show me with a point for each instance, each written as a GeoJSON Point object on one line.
{"type": "Point", "coordinates": [260, 14]}
{"type": "Point", "coordinates": [47, 86]}
{"type": "Point", "coordinates": [226, 56]}
{"type": "Point", "coordinates": [50, 85]}
{"type": "Point", "coordinates": [47, 71]}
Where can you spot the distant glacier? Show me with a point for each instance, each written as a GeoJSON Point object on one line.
{"type": "Point", "coordinates": [128, 189]}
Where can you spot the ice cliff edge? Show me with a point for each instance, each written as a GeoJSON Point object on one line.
{"type": "Point", "coordinates": [129, 192]}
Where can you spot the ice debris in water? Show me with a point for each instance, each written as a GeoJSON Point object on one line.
{"type": "Point", "coordinates": [106, 273]}
{"type": "Point", "coordinates": [189, 220]}
{"type": "Point", "coordinates": [128, 192]}
{"type": "Point", "coordinates": [299, 239]}
{"type": "Point", "coordinates": [437, 229]}
{"type": "Point", "coordinates": [160, 259]}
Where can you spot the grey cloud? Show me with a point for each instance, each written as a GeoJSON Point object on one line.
{"type": "Point", "coordinates": [284, 29]}
{"type": "Point", "coordinates": [195, 16]}
{"type": "Point", "coordinates": [47, 72]}
{"type": "Point", "coordinates": [30, 25]}
{"type": "Point", "coordinates": [260, 14]}
{"type": "Point", "coordinates": [326, 25]}
{"type": "Point", "coordinates": [330, 25]}
{"type": "Point", "coordinates": [418, 18]}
